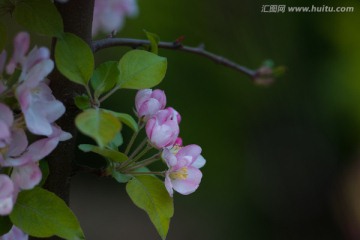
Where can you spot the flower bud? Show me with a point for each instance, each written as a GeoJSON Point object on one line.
{"type": "Point", "coordinates": [148, 102]}
{"type": "Point", "coordinates": [163, 128]}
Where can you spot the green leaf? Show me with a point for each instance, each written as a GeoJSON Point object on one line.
{"type": "Point", "coordinates": [3, 36]}
{"type": "Point", "coordinates": [121, 178]}
{"type": "Point", "coordinates": [41, 213]}
{"type": "Point", "coordinates": [141, 69]}
{"type": "Point", "coordinates": [154, 41]}
{"type": "Point", "coordinates": [115, 156]}
{"type": "Point", "coordinates": [44, 167]}
{"type": "Point", "coordinates": [40, 16]}
{"type": "Point", "coordinates": [149, 194]}
{"type": "Point", "coordinates": [82, 102]}
{"type": "Point", "coordinates": [5, 225]}
{"type": "Point", "coordinates": [99, 125]}
{"type": "Point", "coordinates": [105, 77]}
{"type": "Point", "coordinates": [126, 119]}
{"type": "Point", "coordinates": [116, 142]}
{"type": "Point", "coordinates": [74, 58]}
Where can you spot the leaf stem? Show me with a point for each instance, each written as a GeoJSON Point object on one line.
{"type": "Point", "coordinates": [107, 95]}
{"type": "Point", "coordinates": [145, 162]}
{"type": "Point", "coordinates": [147, 173]}
{"type": "Point", "coordinates": [133, 137]}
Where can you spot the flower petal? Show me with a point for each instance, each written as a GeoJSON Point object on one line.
{"type": "Point", "coordinates": [190, 184]}
{"type": "Point", "coordinates": [199, 162]}
{"type": "Point", "coordinates": [190, 150]}
{"type": "Point", "coordinates": [15, 234]}
{"type": "Point", "coordinates": [27, 176]}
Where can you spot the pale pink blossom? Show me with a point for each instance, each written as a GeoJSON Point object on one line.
{"type": "Point", "coordinates": [21, 46]}
{"type": "Point", "coordinates": [26, 176]}
{"type": "Point", "coordinates": [12, 154]}
{"type": "Point", "coordinates": [36, 56]}
{"type": "Point", "coordinates": [40, 108]}
{"type": "Point", "coordinates": [109, 15]}
{"type": "Point", "coordinates": [183, 175]}
{"type": "Point", "coordinates": [148, 102]}
{"type": "Point", "coordinates": [15, 234]}
{"type": "Point", "coordinates": [6, 121]}
{"type": "Point", "coordinates": [7, 189]}
{"type": "Point", "coordinates": [163, 128]}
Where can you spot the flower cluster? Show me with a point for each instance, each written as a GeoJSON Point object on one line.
{"type": "Point", "coordinates": [162, 129]}
{"type": "Point", "coordinates": [109, 15]}
{"type": "Point", "coordinates": [27, 107]}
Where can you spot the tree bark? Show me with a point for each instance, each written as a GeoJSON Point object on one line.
{"type": "Point", "coordinates": [77, 17]}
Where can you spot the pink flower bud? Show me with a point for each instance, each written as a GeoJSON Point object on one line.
{"type": "Point", "coordinates": [163, 128]}
{"type": "Point", "coordinates": [178, 142]}
{"type": "Point", "coordinates": [148, 102]}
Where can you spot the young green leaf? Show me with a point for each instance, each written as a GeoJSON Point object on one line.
{"type": "Point", "coordinates": [119, 177]}
{"type": "Point", "coordinates": [116, 142]}
{"type": "Point", "coordinates": [3, 36]}
{"type": "Point", "coordinates": [5, 225]}
{"type": "Point", "coordinates": [41, 213]}
{"type": "Point", "coordinates": [105, 77]}
{"type": "Point", "coordinates": [99, 125]}
{"type": "Point", "coordinates": [74, 58]}
{"type": "Point", "coordinates": [82, 102]}
{"type": "Point", "coordinates": [113, 155]}
{"type": "Point", "coordinates": [141, 69]}
{"type": "Point", "coordinates": [149, 194]}
{"type": "Point", "coordinates": [40, 16]}
{"type": "Point", "coordinates": [126, 119]}
{"type": "Point", "coordinates": [154, 41]}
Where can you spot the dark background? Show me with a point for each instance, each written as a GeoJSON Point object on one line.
{"type": "Point", "coordinates": [282, 161]}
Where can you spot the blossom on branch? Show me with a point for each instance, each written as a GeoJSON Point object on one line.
{"type": "Point", "coordinates": [33, 110]}
{"type": "Point", "coordinates": [183, 174]}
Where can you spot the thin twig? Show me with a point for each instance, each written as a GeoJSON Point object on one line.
{"type": "Point", "coordinates": [135, 43]}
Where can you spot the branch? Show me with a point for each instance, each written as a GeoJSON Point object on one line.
{"type": "Point", "coordinates": [135, 43]}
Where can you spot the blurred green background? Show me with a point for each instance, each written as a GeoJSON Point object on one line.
{"type": "Point", "coordinates": [282, 161]}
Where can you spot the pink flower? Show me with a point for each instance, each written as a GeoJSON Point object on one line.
{"type": "Point", "coordinates": [6, 121]}
{"type": "Point", "coordinates": [40, 108]}
{"type": "Point", "coordinates": [148, 102]}
{"type": "Point", "coordinates": [26, 176]}
{"type": "Point", "coordinates": [6, 195]}
{"type": "Point", "coordinates": [183, 175]}
{"type": "Point", "coordinates": [163, 128]}
{"type": "Point", "coordinates": [15, 234]}
{"type": "Point", "coordinates": [109, 15]}
{"type": "Point", "coordinates": [21, 46]}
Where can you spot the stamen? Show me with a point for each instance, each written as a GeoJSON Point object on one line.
{"type": "Point", "coordinates": [181, 174]}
